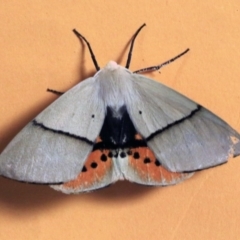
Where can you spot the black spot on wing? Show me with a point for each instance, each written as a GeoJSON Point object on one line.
{"type": "Point", "coordinates": [103, 157]}
{"type": "Point", "coordinates": [136, 155]}
{"type": "Point", "coordinates": [147, 160]}
{"type": "Point", "coordinates": [84, 169]}
{"type": "Point", "coordinates": [123, 154]}
{"type": "Point", "coordinates": [94, 165]}
{"type": "Point", "coordinates": [129, 152]}
{"type": "Point", "coordinates": [157, 163]}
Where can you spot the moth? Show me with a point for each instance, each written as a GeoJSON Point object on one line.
{"type": "Point", "coordinates": [118, 125]}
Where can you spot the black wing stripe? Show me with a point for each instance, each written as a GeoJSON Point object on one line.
{"type": "Point", "coordinates": [191, 114]}
{"type": "Point", "coordinates": [41, 125]}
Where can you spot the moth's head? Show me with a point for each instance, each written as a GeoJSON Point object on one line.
{"type": "Point", "coordinates": [112, 66]}
{"type": "Point", "coordinates": [111, 70]}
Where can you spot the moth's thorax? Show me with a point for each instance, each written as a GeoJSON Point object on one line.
{"type": "Point", "coordinates": [114, 84]}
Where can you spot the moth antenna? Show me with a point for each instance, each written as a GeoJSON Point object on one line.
{"type": "Point", "coordinates": [54, 91]}
{"type": "Point", "coordinates": [155, 68]}
{"type": "Point", "coordinates": [131, 47]}
{"type": "Point", "coordinates": [81, 37]}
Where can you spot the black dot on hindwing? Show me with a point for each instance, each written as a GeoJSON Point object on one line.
{"type": "Point", "coordinates": [157, 163]}
{"type": "Point", "coordinates": [129, 152]}
{"type": "Point", "coordinates": [84, 169]}
{"type": "Point", "coordinates": [94, 165]}
{"type": "Point", "coordinates": [136, 155]}
{"type": "Point", "coordinates": [103, 157]}
{"type": "Point", "coordinates": [93, 116]}
{"type": "Point", "coordinates": [123, 155]}
{"type": "Point", "coordinates": [140, 112]}
{"type": "Point", "coordinates": [147, 160]}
